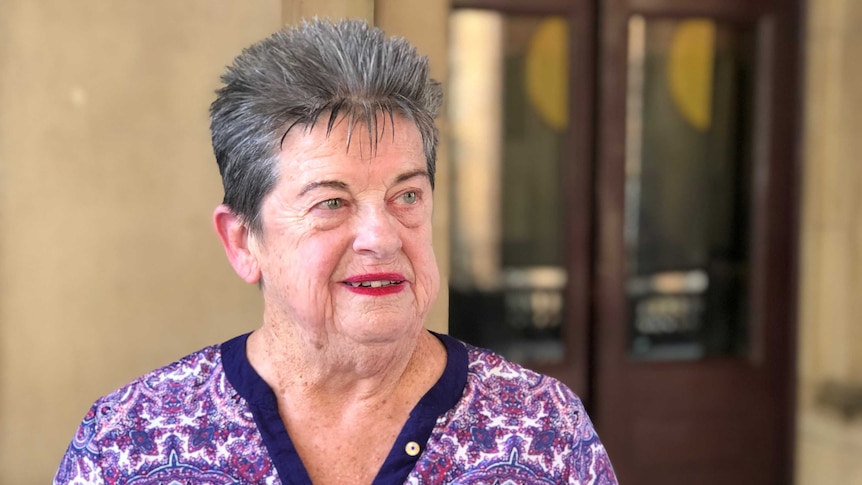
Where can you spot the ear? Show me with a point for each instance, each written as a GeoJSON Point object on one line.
{"type": "Point", "coordinates": [238, 243]}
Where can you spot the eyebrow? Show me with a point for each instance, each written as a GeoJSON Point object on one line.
{"type": "Point", "coordinates": [337, 184]}
{"type": "Point", "coordinates": [410, 175]}
{"type": "Point", "coordinates": [334, 184]}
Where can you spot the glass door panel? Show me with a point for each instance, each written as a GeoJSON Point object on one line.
{"type": "Point", "coordinates": [688, 187]}
{"type": "Point", "coordinates": [508, 107]}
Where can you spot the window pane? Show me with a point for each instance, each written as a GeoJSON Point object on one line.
{"type": "Point", "coordinates": [688, 177]}
{"type": "Point", "coordinates": [508, 104]}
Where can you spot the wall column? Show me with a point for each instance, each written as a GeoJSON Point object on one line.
{"type": "Point", "coordinates": [830, 335]}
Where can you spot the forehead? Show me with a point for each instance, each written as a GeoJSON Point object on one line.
{"type": "Point", "coordinates": [392, 144]}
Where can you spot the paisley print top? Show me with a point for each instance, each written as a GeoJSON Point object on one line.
{"type": "Point", "coordinates": [209, 419]}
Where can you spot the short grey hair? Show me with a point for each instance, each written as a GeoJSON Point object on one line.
{"type": "Point", "coordinates": [319, 68]}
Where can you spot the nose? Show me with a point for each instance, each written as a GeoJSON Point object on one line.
{"type": "Point", "coordinates": [377, 233]}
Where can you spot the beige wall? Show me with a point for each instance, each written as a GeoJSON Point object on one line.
{"type": "Point", "coordinates": [108, 264]}
{"type": "Point", "coordinates": [830, 447]}
{"type": "Point", "coordinates": [294, 11]}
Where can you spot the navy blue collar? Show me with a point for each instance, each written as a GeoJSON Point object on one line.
{"type": "Point", "coordinates": [442, 397]}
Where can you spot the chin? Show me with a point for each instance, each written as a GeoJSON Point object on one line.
{"type": "Point", "coordinates": [382, 330]}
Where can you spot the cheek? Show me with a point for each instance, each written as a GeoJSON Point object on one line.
{"type": "Point", "coordinates": [433, 283]}
{"type": "Point", "coordinates": [316, 258]}
{"type": "Point", "coordinates": [425, 265]}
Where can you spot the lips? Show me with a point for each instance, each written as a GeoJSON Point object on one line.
{"type": "Point", "coordinates": [376, 284]}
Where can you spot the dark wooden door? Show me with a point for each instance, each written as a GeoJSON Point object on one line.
{"type": "Point", "coordinates": [674, 181]}
{"type": "Point", "coordinates": [695, 240]}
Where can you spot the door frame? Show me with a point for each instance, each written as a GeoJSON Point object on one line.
{"type": "Point", "coordinates": [774, 246]}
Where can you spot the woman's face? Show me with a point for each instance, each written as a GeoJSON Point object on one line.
{"type": "Point", "coordinates": [346, 242]}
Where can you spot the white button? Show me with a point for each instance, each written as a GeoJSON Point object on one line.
{"type": "Point", "coordinates": [412, 448]}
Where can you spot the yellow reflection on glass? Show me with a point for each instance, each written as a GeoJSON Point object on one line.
{"type": "Point", "coordinates": [547, 72]}
{"type": "Point", "coordinates": [689, 70]}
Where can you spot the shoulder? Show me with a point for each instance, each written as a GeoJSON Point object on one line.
{"type": "Point", "coordinates": [515, 424]}
{"type": "Point", "coordinates": [126, 425]}
{"type": "Point", "coordinates": [181, 423]}
{"type": "Point", "coordinates": [163, 390]}
{"type": "Point", "coordinates": [507, 386]}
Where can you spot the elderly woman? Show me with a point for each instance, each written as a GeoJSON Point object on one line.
{"type": "Point", "coordinates": [325, 140]}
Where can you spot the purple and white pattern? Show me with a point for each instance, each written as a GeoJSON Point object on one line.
{"type": "Point", "coordinates": [513, 426]}
{"type": "Point", "coordinates": [185, 424]}
{"type": "Point", "coordinates": [182, 424]}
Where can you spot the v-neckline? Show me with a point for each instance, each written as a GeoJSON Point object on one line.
{"type": "Point", "coordinates": [408, 446]}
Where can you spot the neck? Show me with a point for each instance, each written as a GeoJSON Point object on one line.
{"type": "Point", "coordinates": [342, 372]}
{"type": "Point", "coordinates": [345, 399]}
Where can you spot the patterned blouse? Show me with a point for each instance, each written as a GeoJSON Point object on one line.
{"type": "Point", "coordinates": [210, 419]}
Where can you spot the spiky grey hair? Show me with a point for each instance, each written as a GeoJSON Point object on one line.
{"type": "Point", "coordinates": [320, 68]}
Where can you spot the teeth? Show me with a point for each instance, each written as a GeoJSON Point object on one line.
{"type": "Point", "coordinates": [373, 284]}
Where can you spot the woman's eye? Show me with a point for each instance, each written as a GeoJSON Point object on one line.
{"type": "Point", "coordinates": [332, 204]}
{"type": "Point", "coordinates": [409, 197]}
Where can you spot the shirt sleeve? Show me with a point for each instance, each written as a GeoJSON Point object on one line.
{"type": "Point", "coordinates": [588, 462]}
{"type": "Point", "coordinates": [81, 463]}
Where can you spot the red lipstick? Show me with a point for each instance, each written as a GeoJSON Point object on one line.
{"type": "Point", "coordinates": [375, 284]}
